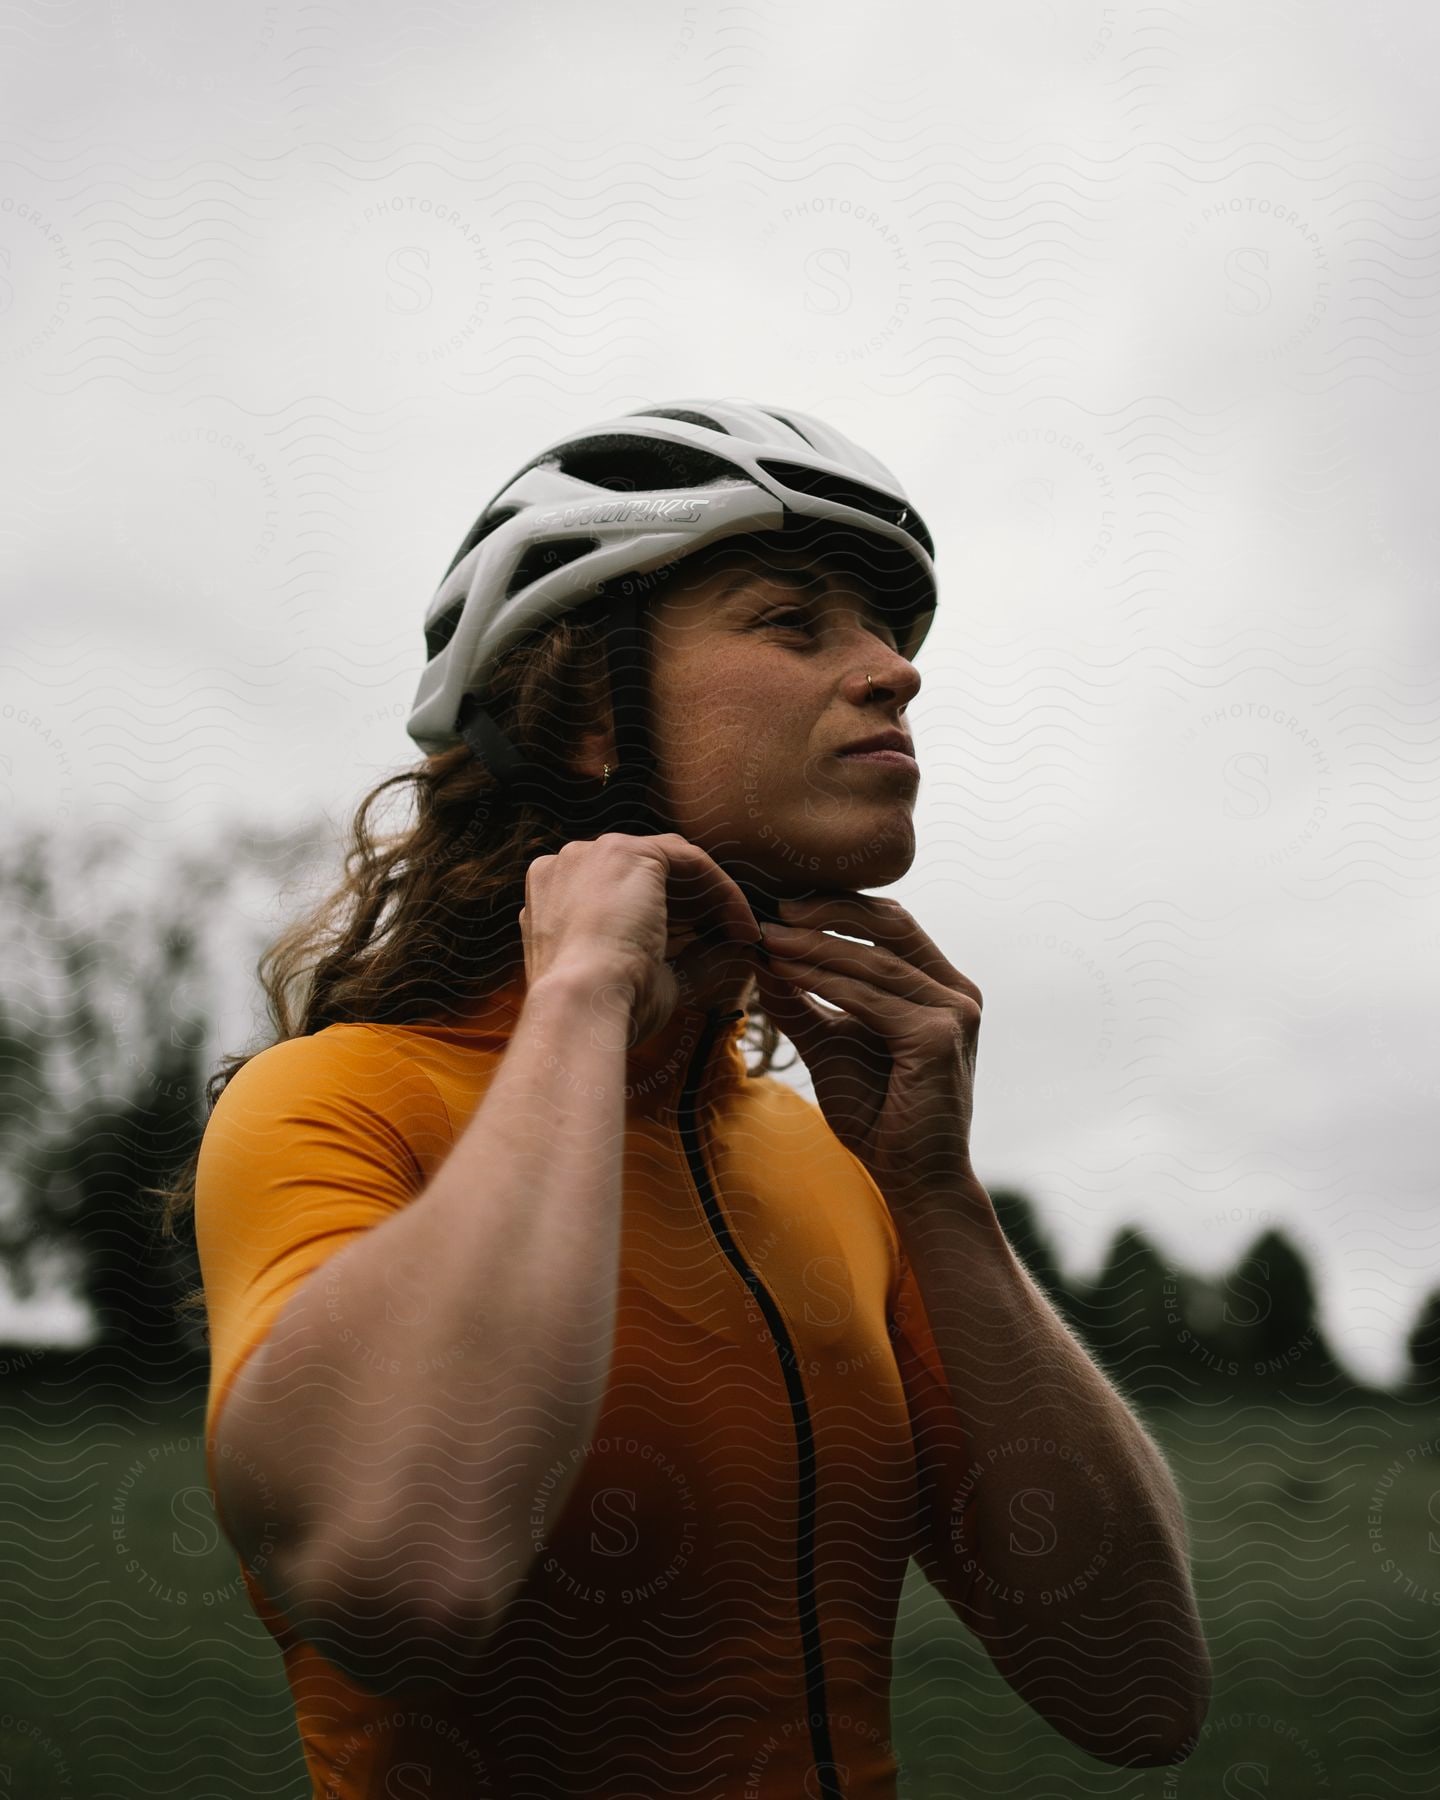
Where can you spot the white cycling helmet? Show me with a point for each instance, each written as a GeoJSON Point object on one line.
{"type": "Point", "coordinates": [623, 498]}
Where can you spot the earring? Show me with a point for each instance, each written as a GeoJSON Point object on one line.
{"type": "Point", "coordinates": [606, 776]}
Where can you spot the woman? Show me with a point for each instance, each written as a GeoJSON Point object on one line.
{"type": "Point", "coordinates": [576, 1403]}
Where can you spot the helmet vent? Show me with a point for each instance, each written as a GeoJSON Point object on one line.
{"type": "Point", "coordinates": [543, 559]}
{"type": "Point", "coordinates": [438, 635]}
{"type": "Point", "coordinates": [483, 526]}
{"type": "Point", "coordinates": [685, 418]}
{"type": "Point", "coordinates": [843, 492]}
{"type": "Point", "coordinates": [628, 465]}
{"type": "Point", "coordinates": [793, 426]}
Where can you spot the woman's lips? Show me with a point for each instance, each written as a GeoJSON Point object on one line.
{"type": "Point", "coordinates": [894, 758]}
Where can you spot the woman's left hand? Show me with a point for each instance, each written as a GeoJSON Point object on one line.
{"type": "Point", "coordinates": [894, 1069]}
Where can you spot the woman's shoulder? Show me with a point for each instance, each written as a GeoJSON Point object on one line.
{"type": "Point", "coordinates": [355, 1066]}
{"type": "Point", "coordinates": [342, 1109]}
{"type": "Point", "coordinates": [331, 1047]}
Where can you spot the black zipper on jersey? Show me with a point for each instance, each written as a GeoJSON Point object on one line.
{"type": "Point", "coordinates": [819, 1714]}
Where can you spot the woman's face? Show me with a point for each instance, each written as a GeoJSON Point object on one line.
{"type": "Point", "coordinates": [759, 684]}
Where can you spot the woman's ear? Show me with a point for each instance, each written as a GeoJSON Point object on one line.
{"type": "Point", "coordinates": [592, 751]}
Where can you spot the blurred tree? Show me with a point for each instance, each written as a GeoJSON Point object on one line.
{"type": "Point", "coordinates": [1423, 1348]}
{"type": "Point", "coordinates": [1132, 1316]}
{"type": "Point", "coordinates": [1268, 1322]}
{"type": "Point", "coordinates": [104, 1049]}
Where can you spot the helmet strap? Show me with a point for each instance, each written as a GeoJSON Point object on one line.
{"type": "Point", "coordinates": [489, 744]}
{"type": "Point", "coordinates": [626, 802]}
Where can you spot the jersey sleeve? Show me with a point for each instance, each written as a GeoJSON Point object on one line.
{"type": "Point", "coordinates": [943, 1543]}
{"type": "Point", "coordinates": [311, 1142]}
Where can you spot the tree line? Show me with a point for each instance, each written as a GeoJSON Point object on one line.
{"type": "Point", "coordinates": [122, 991]}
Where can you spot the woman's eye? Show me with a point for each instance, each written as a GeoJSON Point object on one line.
{"type": "Point", "coordinates": [794, 613]}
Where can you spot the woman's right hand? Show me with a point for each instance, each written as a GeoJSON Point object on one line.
{"type": "Point", "coordinates": [617, 907]}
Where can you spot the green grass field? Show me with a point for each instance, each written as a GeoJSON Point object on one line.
{"type": "Point", "coordinates": [134, 1666]}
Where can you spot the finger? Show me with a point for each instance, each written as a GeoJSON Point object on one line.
{"type": "Point", "coordinates": [702, 900]}
{"type": "Point", "coordinates": [883, 1012]}
{"type": "Point", "coordinates": [804, 1023]}
{"type": "Point", "coordinates": [885, 922]}
{"type": "Point", "coordinates": [712, 937]}
{"type": "Point", "coordinates": [704, 892]}
{"type": "Point", "coordinates": [881, 967]}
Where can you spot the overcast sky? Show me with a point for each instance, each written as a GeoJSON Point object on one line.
{"type": "Point", "coordinates": [1141, 304]}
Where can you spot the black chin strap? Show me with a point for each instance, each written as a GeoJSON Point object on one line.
{"type": "Point", "coordinates": [624, 802]}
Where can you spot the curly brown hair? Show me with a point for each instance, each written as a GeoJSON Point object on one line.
{"type": "Point", "coordinates": [425, 922]}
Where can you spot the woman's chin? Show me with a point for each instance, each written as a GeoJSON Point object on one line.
{"type": "Point", "coordinates": [839, 862]}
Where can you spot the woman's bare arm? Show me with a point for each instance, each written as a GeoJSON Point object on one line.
{"type": "Point", "coordinates": [378, 1462]}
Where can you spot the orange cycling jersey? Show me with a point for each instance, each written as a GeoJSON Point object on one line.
{"type": "Point", "coordinates": [712, 1612]}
